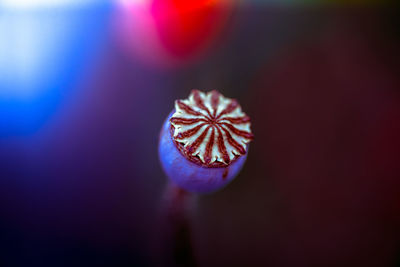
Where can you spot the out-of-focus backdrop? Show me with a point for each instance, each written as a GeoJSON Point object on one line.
{"type": "Point", "coordinates": [85, 86]}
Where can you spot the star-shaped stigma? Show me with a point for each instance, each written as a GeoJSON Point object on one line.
{"type": "Point", "coordinates": [210, 129]}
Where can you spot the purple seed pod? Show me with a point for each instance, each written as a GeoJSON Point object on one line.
{"type": "Point", "coordinates": [204, 141]}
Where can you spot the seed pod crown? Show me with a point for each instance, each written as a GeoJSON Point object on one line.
{"type": "Point", "coordinates": [210, 129]}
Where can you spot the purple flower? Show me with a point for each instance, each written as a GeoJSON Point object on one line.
{"type": "Point", "coordinates": [204, 141]}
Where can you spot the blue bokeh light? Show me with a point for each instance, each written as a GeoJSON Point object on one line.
{"type": "Point", "coordinates": [44, 50]}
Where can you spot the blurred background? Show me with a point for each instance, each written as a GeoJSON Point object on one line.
{"type": "Point", "coordinates": [86, 84]}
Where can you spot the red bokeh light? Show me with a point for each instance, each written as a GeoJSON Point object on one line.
{"type": "Point", "coordinates": [171, 32]}
{"type": "Point", "coordinates": [184, 27]}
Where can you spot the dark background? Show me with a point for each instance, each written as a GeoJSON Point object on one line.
{"type": "Point", "coordinates": [82, 185]}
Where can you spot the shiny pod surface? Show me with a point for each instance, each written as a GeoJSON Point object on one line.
{"type": "Point", "coordinates": [191, 176]}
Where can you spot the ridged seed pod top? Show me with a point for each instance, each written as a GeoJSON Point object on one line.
{"type": "Point", "coordinates": [210, 129]}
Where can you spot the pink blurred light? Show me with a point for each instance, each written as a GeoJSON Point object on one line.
{"type": "Point", "coordinates": [170, 33]}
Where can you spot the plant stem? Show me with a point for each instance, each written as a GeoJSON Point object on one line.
{"type": "Point", "coordinates": [178, 240]}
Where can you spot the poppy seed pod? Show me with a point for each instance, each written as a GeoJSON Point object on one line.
{"type": "Point", "coordinates": [204, 141]}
